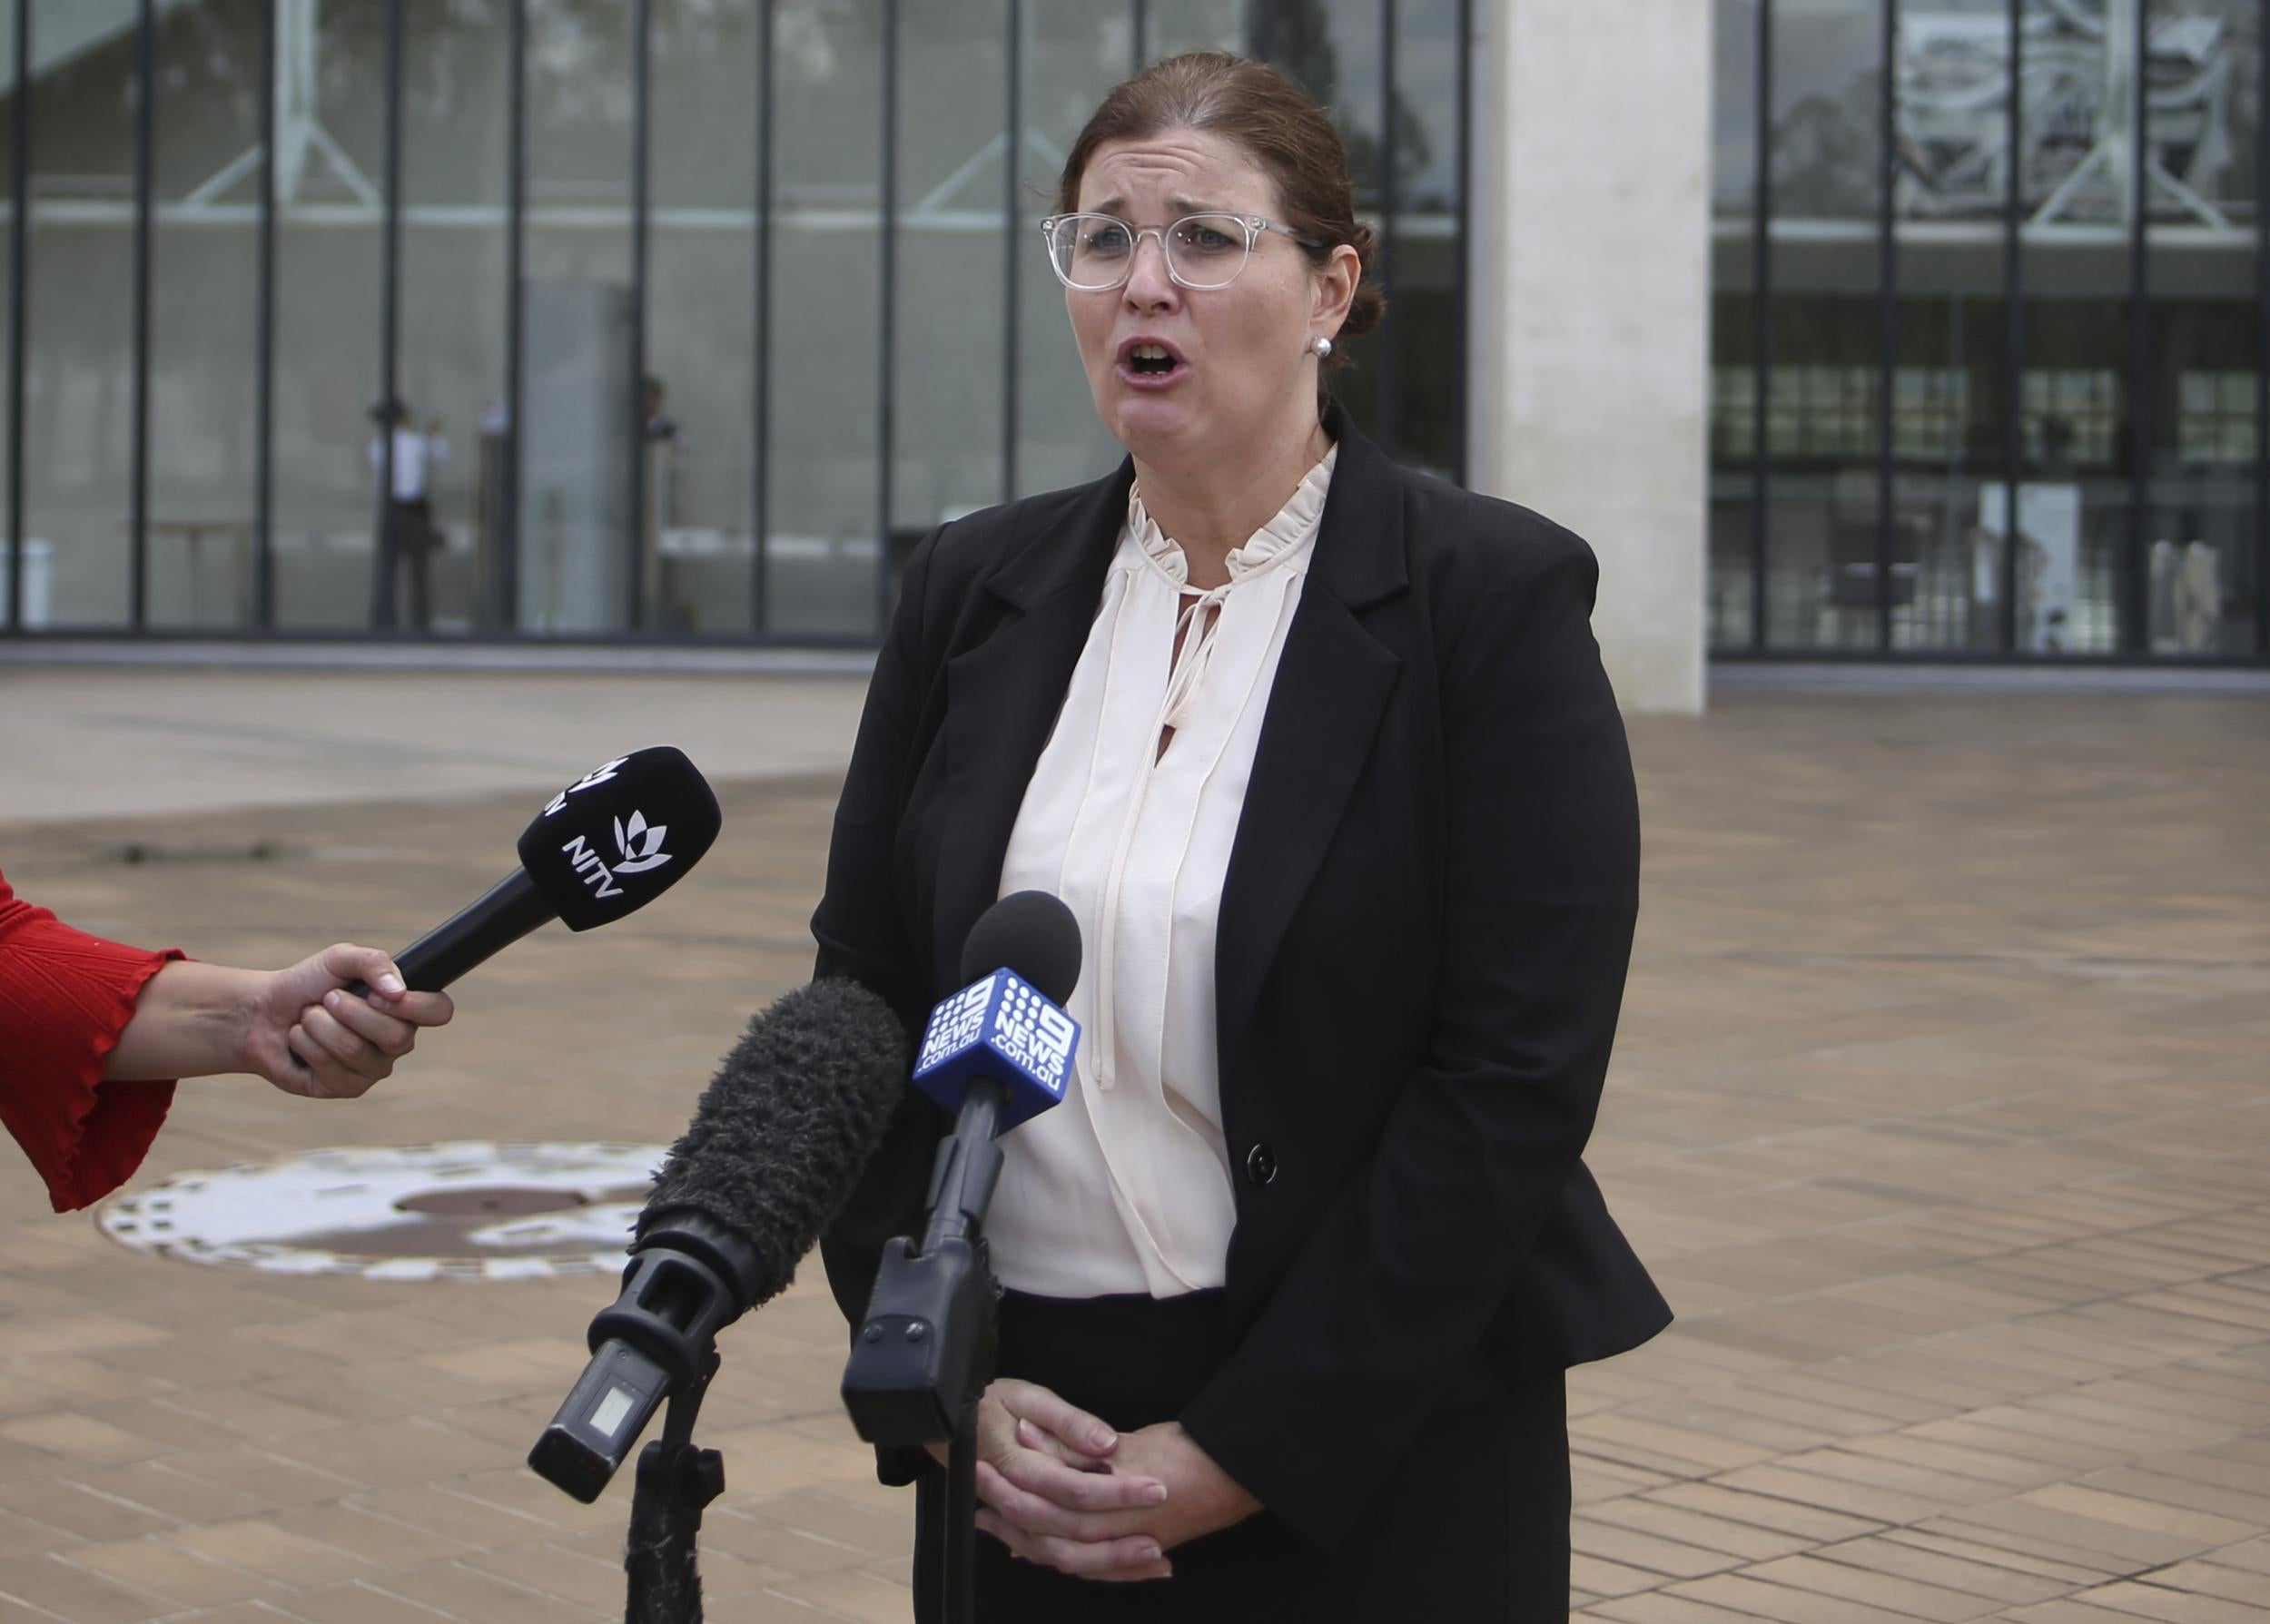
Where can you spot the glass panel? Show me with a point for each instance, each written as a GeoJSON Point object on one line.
{"type": "Point", "coordinates": [204, 342]}
{"type": "Point", "coordinates": [1074, 51]}
{"type": "Point", "coordinates": [457, 88]}
{"type": "Point", "coordinates": [1426, 269]}
{"type": "Point", "coordinates": [1949, 486]}
{"type": "Point", "coordinates": [1178, 26]}
{"type": "Point", "coordinates": [39, 612]}
{"type": "Point", "coordinates": [329, 169]}
{"type": "Point", "coordinates": [576, 390]}
{"type": "Point", "coordinates": [2072, 520]}
{"type": "Point", "coordinates": [78, 404]}
{"type": "Point", "coordinates": [1733, 323]}
{"type": "Point", "coordinates": [1330, 48]}
{"type": "Point", "coordinates": [822, 552]}
{"type": "Point", "coordinates": [953, 238]}
{"type": "Point", "coordinates": [1821, 400]}
{"type": "Point", "coordinates": [701, 316]}
{"type": "Point", "coordinates": [2202, 560]}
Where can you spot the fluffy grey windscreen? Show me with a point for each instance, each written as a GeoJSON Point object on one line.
{"type": "Point", "coordinates": [785, 1126]}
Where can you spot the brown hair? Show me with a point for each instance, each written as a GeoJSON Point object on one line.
{"type": "Point", "coordinates": [1273, 119]}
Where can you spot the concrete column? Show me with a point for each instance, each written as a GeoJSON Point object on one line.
{"type": "Point", "coordinates": [1591, 318]}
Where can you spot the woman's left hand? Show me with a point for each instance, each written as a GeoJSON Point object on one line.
{"type": "Point", "coordinates": [1201, 1498]}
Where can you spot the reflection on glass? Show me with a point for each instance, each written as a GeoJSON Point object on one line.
{"type": "Point", "coordinates": [701, 279]}
{"type": "Point", "coordinates": [78, 423]}
{"type": "Point", "coordinates": [822, 554]}
{"type": "Point", "coordinates": [1822, 390]}
{"type": "Point", "coordinates": [2201, 561]}
{"type": "Point", "coordinates": [1733, 323]}
{"type": "Point", "coordinates": [38, 598]}
{"type": "Point", "coordinates": [1330, 48]}
{"type": "Point", "coordinates": [204, 283]}
{"type": "Point", "coordinates": [1074, 51]}
{"type": "Point", "coordinates": [451, 370]}
{"type": "Point", "coordinates": [953, 238]}
{"type": "Point", "coordinates": [573, 563]}
{"type": "Point", "coordinates": [329, 169]}
{"type": "Point", "coordinates": [2072, 525]}
{"type": "Point", "coordinates": [1427, 410]}
{"type": "Point", "coordinates": [1944, 535]}
{"type": "Point", "coordinates": [1178, 26]}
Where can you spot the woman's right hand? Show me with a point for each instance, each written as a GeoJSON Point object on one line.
{"type": "Point", "coordinates": [1045, 1470]}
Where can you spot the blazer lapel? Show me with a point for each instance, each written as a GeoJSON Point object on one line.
{"type": "Point", "coordinates": [1324, 708]}
{"type": "Point", "coordinates": [1002, 696]}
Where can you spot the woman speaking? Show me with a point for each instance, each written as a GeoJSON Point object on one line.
{"type": "Point", "coordinates": [1321, 756]}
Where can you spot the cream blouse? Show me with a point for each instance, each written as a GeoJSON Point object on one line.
{"type": "Point", "coordinates": [1126, 1186]}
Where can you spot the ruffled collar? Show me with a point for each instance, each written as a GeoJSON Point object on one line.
{"type": "Point", "coordinates": [1282, 537]}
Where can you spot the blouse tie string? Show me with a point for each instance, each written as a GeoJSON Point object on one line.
{"type": "Point", "coordinates": [1196, 628]}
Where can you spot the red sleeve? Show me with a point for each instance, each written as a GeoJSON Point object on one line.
{"type": "Point", "coordinates": [64, 998]}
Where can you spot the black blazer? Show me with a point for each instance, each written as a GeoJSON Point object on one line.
{"type": "Point", "coordinates": [1422, 939]}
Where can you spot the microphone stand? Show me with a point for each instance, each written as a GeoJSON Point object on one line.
{"type": "Point", "coordinates": [924, 1354]}
{"type": "Point", "coordinates": [676, 1482]}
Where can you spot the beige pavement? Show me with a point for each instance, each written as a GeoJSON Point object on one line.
{"type": "Point", "coordinates": [1940, 1109]}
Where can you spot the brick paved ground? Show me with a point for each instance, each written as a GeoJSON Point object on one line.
{"type": "Point", "coordinates": [1940, 1109]}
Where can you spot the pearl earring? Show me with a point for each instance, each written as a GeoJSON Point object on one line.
{"type": "Point", "coordinates": [1323, 347]}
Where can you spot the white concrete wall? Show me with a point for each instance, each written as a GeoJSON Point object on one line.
{"type": "Point", "coordinates": [1592, 307]}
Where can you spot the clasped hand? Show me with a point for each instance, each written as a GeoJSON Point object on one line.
{"type": "Point", "coordinates": [1057, 1486]}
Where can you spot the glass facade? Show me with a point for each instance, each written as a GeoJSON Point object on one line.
{"type": "Point", "coordinates": [1987, 355]}
{"type": "Point", "coordinates": [601, 319]}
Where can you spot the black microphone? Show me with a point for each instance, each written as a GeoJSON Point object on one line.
{"type": "Point", "coordinates": [996, 1053]}
{"type": "Point", "coordinates": [606, 845]}
{"type": "Point", "coordinates": [780, 1137]}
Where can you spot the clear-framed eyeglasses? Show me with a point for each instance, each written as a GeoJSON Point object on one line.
{"type": "Point", "coordinates": [1093, 253]}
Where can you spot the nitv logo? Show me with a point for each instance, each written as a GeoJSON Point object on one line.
{"type": "Point", "coordinates": [597, 775]}
{"type": "Point", "coordinates": [638, 845]}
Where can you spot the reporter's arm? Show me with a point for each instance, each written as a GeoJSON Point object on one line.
{"type": "Point", "coordinates": [64, 998]}
{"type": "Point", "coordinates": [297, 1027]}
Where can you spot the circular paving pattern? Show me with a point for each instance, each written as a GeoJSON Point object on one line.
{"type": "Point", "coordinates": [466, 1211]}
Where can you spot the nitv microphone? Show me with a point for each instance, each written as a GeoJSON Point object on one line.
{"type": "Point", "coordinates": [996, 1054]}
{"type": "Point", "coordinates": [780, 1135]}
{"type": "Point", "coordinates": [606, 845]}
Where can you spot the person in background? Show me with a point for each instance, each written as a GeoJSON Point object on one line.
{"type": "Point", "coordinates": [410, 537]}
{"type": "Point", "coordinates": [95, 1033]}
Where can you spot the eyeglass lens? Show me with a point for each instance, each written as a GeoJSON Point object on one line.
{"type": "Point", "coordinates": [1095, 250]}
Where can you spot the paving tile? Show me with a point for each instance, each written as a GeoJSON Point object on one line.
{"type": "Point", "coordinates": [1605, 1577]}
{"type": "Point", "coordinates": [258, 1546]}
{"type": "Point", "coordinates": [461, 1591]}
{"type": "Point", "coordinates": [856, 1593]}
{"type": "Point", "coordinates": [1757, 1598]}
{"type": "Point", "coordinates": [2151, 1600]}
{"type": "Point", "coordinates": [1872, 1587]}
{"type": "Point", "coordinates": [62, 1590]}
{"type": "Point", "coordinates": [182, 1577]}
{"type": "Point", "coordinates": [360, 1603]}
{"type": "Point", "coordinates": [1938, 1565]}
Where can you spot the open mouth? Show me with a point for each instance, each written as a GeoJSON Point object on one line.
{"type": "Point", "coordinates": [1144, 361]}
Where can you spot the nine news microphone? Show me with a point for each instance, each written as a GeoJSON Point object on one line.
{"type": "Point", "coordinates": [780, 1135]}
{"type": "Point", "coordinates": [606, 845]}
{"type": "Point", "coordinates": [996, 1053]}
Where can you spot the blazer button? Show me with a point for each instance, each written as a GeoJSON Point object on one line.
{"type": "Point", "coordinates": [1261, 1165]}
